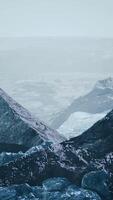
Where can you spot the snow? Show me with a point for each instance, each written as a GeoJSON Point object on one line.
{"type": "Point", "coordinates": [79, 122]}
{"type": "Point", "coordinates": [106, 83]}
{"type": "Point", "coordinates": [48, 94]}
{"type": "Point", "coordinates": [24, 116]}
{"type": "Point", "coordinates": [51, 93]}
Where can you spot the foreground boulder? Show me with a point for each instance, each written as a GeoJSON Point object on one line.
{"type": "Point", "coordinates": [92, 151]}
{"type": "Point", "coordinates": [7, 194]}
{"type": "Point", "coordinates": [97, 181]}
{"type": "Point", "coordinates": [56, 184]}
{"type": "Point", "coordinates": [18, 128]}
{"type": "Point", "coordinates": [74, 192]}
{"type": "Point", "coordinates": [62, 189]}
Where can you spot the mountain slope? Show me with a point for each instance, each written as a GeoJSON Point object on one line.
{"type": "Point", "coordinates": [99, 100]}
{"type": "Point", "coordinates": [78, 122]}
{"type": "Point", "coordinates": [19, 127]}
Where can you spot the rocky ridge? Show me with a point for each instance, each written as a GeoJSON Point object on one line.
{"type": "Point", "coordinates": [79, 168]}
{"type": "Point", "coordinates": [99, 100]}
{"type": "Point", "coordinates": [19, 129]}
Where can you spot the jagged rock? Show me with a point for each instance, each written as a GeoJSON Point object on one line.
{"type": "Point", "coordinates": [7, 194]}
{"type": "Point", "coordinates": [69, 192]}
{"type": "Point", "coordinates": [74, 192]}
{"type": "Point", "coordinates": [28, 197]}
{"type": "Point", "coordinates": [99, 100]}
{"type": "Point", "coordinates": [38, 192]}
{"type": "Point", "coordinates": [8, 157]}
{"type": "Point", "coordinates": [19, 127]}
{"type": "Point", "coordinates": [97, 181]}
{"type": "Point", "coordinates": [23, 189]}
{"type": "Point", "coordinates": [56, 184]}
{"type": "Point", "coordinates": [72, 159]}
{"type": "Point", "coordinates": [12, 148]}
{"type": "Point", "coordinates": [79, 194]}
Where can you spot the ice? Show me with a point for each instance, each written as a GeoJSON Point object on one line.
{"type": "Point", "coordinates": [48, 94]}
{"type": "Point", "coordinates": [79, 122]}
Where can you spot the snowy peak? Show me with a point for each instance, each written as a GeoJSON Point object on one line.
{"type": "Point", "coordinates": [98, 101]}
{"type": "Point", "coordinates": [21, 127]}
{"type": "Point", "coordinates": [105, 84]}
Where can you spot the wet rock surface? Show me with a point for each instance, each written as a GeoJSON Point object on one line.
{"type": "Point", "coordinates": [6, 157]}
{"type": "Point", "coordinates": [97, 181]}
{"type": "Point", "coordinates": [58, 171]}
{"type": "Point", "coordinates": [56, 184]}
{"type": "Point", "coordinates": [25, 192]}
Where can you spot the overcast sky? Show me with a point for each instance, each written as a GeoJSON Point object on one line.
{"type": "Point", "coordinates": [92, 18]}
{"type": "Point", "coordinates": [56, 17]}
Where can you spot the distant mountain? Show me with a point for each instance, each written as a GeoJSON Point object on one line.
{"type": "Point", "coordinates": [78, 122]}
{"type": "Point", "coordinates": [19, 129]}
{"type": "Point", "coordinates": [99, 100]}
{"type": "Point", "coordinates": [91, 151]}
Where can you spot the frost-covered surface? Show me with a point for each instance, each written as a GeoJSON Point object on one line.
{"type": "Point", "coordinates": [18, 126]}
{"type": "Point", "coordinates": [79, 122]}
{"type": "Point", "coordinates": [6, 157]}
{"type": "Point", "coordinates": [61, 190]}
{"type": "Point", "coordinates": [106, 83]}
{"type": "Point", "coordinates": [72, 159]}
{"type": "Point", "coordinates": [47, 94]}
{"type": "Point", "coordinates": [96, 103]}
{"type": "Point", "coordinates": [91, 151]}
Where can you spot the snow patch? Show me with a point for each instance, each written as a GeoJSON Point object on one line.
{"type": "Point", "coordinates": [79, 122]}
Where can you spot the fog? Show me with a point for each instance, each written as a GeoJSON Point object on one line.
{"type": "Point", "coordinates": [56, 36]}
{"type": "Point", "coordinates": [91, 18]}
{"type": "Point", "coordinates": [27, 57]}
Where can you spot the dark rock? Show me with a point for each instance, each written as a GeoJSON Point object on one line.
{"type": "Point", "coordinates": [56, 184]}
{"type": "Point", "coordinates": [74, 192]}
{"type": "Point", "coordinates": [52, 195]}
{"type": "Point", "coordinates": [100, 99]}
{"type": "Point", "coordinates": [38, 192]}
{"type": "Point", "coordinates": [8, 157]}
{"type": "Point", "coordinates": [7, 194]}
{"type": "Point", "coordinates": [97, 181]}
{"type": "Point", "coordinates": [23, 189]}
{"type": "Point", "coordinates": [79, 195]}
{"type": "Point", "coordinates": [19, 127]}
{"type": "Point", "coordinates": [28, 197]}
{"type": "Point", "coordinates": [64, 192]}
{"type": "Point", "coordinates": [12, 148]}
{"type": "Point", "coordinates": [72, 159]}
{"type": "Point", "coordinates": [71, 192]}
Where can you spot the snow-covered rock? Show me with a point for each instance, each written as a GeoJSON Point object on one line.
{"type": "Point", "coordinates": [95, 104]}
{"type": "Point", "coordinates": [79, 122]}
{"type": "Point", "coordinates": [6, 157]}
{"type": "Point", "coordinates": [26, 192]}
{"type": "Point", "coordinates": [106, 83]}
{"type": "Point", "coordinates": [18, 126]}
{"type": "Point", "coordinates": [72, 159]}
{"type": "Point", "coordinates": [56, 184]}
